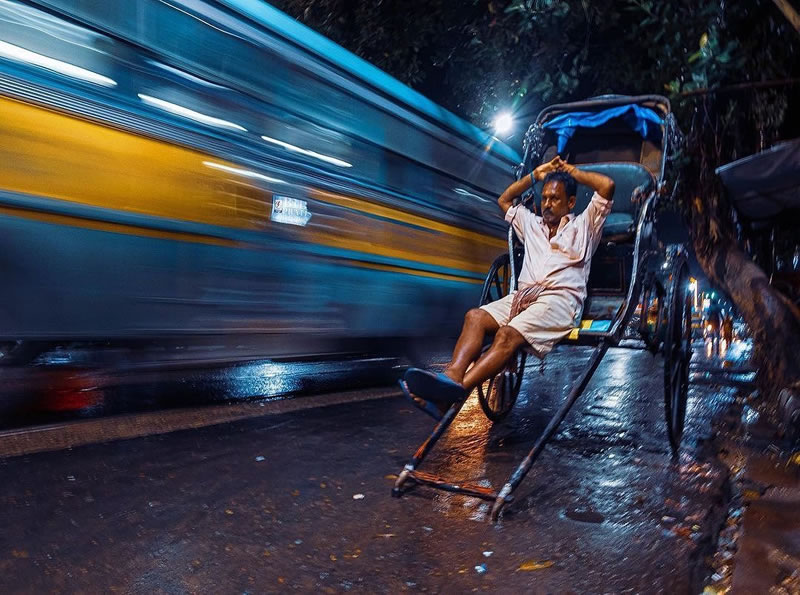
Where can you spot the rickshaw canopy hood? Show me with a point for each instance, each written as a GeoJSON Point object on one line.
{"type": "Point", "coordinates": [641, 119]}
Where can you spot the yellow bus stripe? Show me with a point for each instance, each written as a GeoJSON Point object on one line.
{"type": "Point", "coordinates": [123, 228]}
{"type": "Point", "coordinates": [51, 154]}
{"type": "Point", "coordinates": [129, 229]}
{"type": "Point", "coordinates": [415, 272]}
{"type": "Point", "coordinates": [389, 213]}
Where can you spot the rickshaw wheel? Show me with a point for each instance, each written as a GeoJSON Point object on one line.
{"type": "Point", "coordinates": [677, 351]}
{"type": "Point", "coordinates": [652, 299]}
{"type": "Point", "coordinates": [498, 395]}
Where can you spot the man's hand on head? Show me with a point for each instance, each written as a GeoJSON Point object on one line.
{"type": "Point", "coordinates": [562, 165]}
{"type": "Point", "coordinates": [600, 183]}
{"type": "Point", "coordinates": [545, 168]}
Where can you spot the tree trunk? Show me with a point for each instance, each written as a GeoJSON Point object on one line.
{"type": "Point", "coordinates": [773, 319]}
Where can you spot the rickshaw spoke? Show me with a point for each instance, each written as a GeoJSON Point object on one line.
{"type": "Point", "coordinates": [675, 373]}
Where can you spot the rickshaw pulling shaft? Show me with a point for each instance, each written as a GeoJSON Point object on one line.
{"type": "Point", "coordinates": [525, 466]}
{"type": "Point", "coordinates": [483, 492]}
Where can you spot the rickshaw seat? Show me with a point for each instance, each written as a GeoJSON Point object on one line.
{"type": "Point", "coordinates": [628, 177]}
{"type": "Point", "coordinates": [618, 224]}
{"type": "Point", "coordinates": [605, 300]}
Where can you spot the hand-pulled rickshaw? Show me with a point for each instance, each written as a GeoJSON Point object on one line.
{"type": "Point", "coordinates": [630, 140]}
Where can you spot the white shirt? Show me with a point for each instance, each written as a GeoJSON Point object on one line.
{"type": "Point", "coordinates": [560, 263]}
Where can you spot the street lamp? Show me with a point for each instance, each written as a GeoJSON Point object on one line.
{"type": "Point", "coordinates": [503, 123]}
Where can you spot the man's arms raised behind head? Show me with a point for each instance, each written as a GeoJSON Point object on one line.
{"type": "Point", "coordinates": [603, 185]}
{"type": "Point", "coordinates": [525, 182]}
{"type": "Point", "coordinates": [509, 194]}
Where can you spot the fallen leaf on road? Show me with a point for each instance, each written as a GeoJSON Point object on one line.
{"type": "Point", "coordinates": [228, 511]}
{"type": "Point", "coordinates": [795, 458]}
{"type": "Point", "coordinates": [390, 476]}
{"type": "Point", "coordinates": [295, 492]}
{"type": "Point", "coordinates": [535, 565]}
{"type": "Point", "coordinates": [354, 554]}
{"type": "Point", "coordinates": [751, 495]}
{"type": "Point", "coordinates": [682, 531]}
{"type": "Point", "coordinates": [386, 534]}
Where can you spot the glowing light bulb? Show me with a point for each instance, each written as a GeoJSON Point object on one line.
{"type": "Point", "coordinates": [503, 123]}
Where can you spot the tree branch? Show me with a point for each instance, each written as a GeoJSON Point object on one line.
{"type": "Point", "coordinates": [789, 12]}
{"type": "Point", "coordinates": [742, 86]}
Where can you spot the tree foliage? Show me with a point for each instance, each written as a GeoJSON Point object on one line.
{"type": "Point", "coordinates": [478, 56]}
{"type": "Point", "coordinates": [475, 56]}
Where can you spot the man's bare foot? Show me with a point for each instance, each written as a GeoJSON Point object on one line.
{"type": "Point", "coordinates": [435, 410]}
{"type": "Point", "coordinates": [440, 407]}
{"type": "Point", "coordinates": [453, 376]}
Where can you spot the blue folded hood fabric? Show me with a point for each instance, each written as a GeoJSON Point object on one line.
{"type": "Point", "coordinates": [642, 119]}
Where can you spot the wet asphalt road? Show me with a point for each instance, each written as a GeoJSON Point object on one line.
{"type": "Point", "coordinates": [300, 501]}
{"type": "Point", "coordinates": [57, 392]}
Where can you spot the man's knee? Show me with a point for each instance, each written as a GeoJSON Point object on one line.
{"type": "Point", "coordinates": [480, 318]}
{"type": "Point", "coordinates": [508, 340]}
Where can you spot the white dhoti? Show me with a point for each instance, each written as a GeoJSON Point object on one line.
{"type": "Point", "coordinates": [544, 323]}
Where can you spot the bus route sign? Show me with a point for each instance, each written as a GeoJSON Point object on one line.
{"type": "Point", "coordinates": [292, 211]}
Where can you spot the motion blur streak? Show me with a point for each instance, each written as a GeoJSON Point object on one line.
{"type": "Point", "coordinates": [13, 52]}
{"type": "Point", "coordinates": [152, 178]}
{"type": "Point", "coordinates": [191, 114]}
{"type": "Point", "coordinates": [313, 154]}
{"type": "Point", "coordinates": [161, 210]}
{"type": "Point", "coordinates": [242, 172]}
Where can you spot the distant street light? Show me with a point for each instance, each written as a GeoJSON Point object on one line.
{"type": "Point", "coordinates": [503, 123]}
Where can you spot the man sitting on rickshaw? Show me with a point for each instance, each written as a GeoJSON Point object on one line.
{"type": "Point", "coordinates": [552, 285]}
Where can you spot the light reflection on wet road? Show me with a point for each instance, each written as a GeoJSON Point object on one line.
{"type": "Point", "coordinates": [53, 393]}
{"type": "Point", "coordinates": [273, 503]}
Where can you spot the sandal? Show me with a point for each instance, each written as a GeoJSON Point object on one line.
{"type": "Point", "coordinates": [421, 404]}
{"type": "Point", "coordinates": [438, 388]}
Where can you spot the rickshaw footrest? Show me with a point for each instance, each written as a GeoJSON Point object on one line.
{"type": "Point", "coordinates": [469, 489]}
